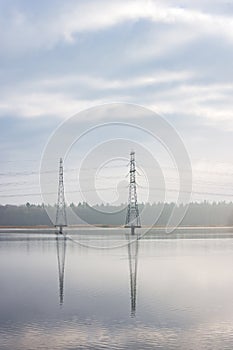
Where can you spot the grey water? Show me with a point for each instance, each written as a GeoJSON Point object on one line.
{"type": "Point", "coordinates": [157, 292]}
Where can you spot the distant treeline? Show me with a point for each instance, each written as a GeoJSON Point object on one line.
{"type": "Point", "coordinates": [198, 214]}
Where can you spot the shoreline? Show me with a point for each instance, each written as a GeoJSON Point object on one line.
{"type": "Point", "coordinates": [41, 227]}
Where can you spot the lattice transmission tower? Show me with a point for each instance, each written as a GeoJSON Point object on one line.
{"type": "Point", "coordinates": [61, 220]}
{"type": "Point", "coordinates": [132, 216]}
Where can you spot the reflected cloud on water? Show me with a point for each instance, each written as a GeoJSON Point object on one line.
{"type": "Point", "coordinates": [150, 293]}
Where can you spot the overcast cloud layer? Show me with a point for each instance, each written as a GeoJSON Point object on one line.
{"type": "Point", "coordinates": [175, 57]}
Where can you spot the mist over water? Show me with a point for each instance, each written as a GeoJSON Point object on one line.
{"type": "Point", "coordinates": [172, 293]}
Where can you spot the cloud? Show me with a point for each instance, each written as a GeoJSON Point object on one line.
{"type": "Point", "coordinates": [167, 92]}
{"type": "Point", "coordinates": [59, 57]}
{"type": "Point", "coordinates": [209, 102]}
{"type": "Point", "coordinates": [33, 105]}
{"type": "Point", "coordinates": [23, 30]}
{"type": "Point", "coordinates": [42, 97]}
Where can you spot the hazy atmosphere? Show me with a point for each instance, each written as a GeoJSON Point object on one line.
{"type": "Point", "coordinates": [116, 168]}
{"type": "Point", "coordinates": [58, 58]}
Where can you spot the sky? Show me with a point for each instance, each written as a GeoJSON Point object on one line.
{"type": "Point", "coordinates": [58, 58]}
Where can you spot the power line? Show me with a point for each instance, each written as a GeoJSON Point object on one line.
{"type": "Point", "coordinates": [28, 173]}
{"type": "Point", "coordinates": [114, 188]}
{"type": "Point", "coordinates": [48, 193]}
{"type": "Point", "coordinates": [17, 173]}
{"type": "Point", "coordinates": [192, 192]}
{"type": "Point", "coordinates": [11, 186]}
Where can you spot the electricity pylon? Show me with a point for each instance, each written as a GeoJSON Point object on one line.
{"type": "Point", "coordinates": [132, 216]}
{"type": "Point", "coordinates": [61, 220]}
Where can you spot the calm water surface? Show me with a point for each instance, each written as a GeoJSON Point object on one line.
{"type": "Point", "coordinates": [172, 293]}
